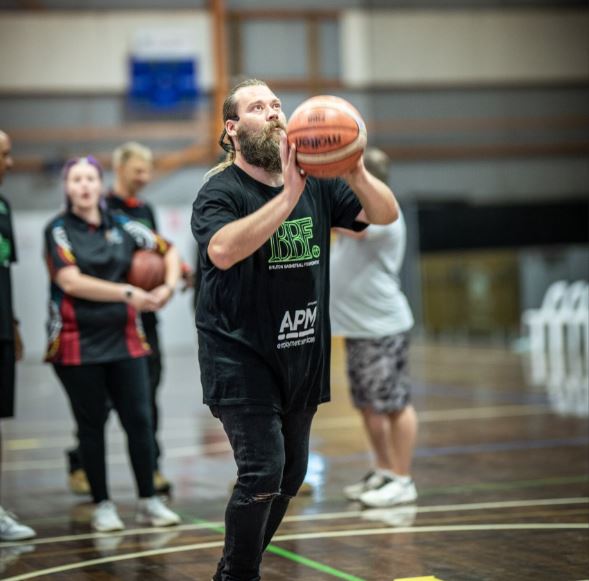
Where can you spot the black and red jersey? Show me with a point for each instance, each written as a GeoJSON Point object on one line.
{"type": "Point", "coordinates": [134, 208]}
{"type": "Point", "coordinates": [7, 257]}
{"type": "Point", "coordinates": [84, 331]}
{"type": "Point", "coordinates": [142, 212]}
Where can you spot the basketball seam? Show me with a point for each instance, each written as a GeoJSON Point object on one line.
{"type": "Point", "coordinates": [334, 156]}
{"type": "Point", "coordinates": [337, 106]}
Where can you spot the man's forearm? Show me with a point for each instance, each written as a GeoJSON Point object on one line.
{"type": "Point", "coordinates": [377, 199]}
{"type": "Point", "coordinates": [240, 239]}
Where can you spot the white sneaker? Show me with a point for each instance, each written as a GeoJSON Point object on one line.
{"type": "Point", "coordinates": [370, 481]}
{"type": "Point", "coordinates": [152, 511]}
{"type": "Point", "coordinates": [389, 494]}
{"type": "Point", "coordinates": [106, 518]}
{"type": "Point", "coordinates": [12, 530]}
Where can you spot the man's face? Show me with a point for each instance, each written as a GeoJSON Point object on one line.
{"type": "Point", "coordinates": [135, 174]}
{"type": "Point", "coordinates": [261, 122]}
{"type": "Point", "coordinates": [5, 155]}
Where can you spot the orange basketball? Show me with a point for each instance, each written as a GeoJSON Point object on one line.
{"type": "Point", "coordinates": [329, 134]}
{"type": "Point", "coordinates": [148, 270]}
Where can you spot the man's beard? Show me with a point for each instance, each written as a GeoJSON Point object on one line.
{"type": "Point", "coordinates": [261, 149]}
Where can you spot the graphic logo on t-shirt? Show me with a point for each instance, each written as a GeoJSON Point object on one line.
{"type": "Point", "coordinates": [113, 236]}
{"type": "Point", "coordinates": [5, 251]}
{"type": "Point", "coordinates": [63, 246]}
{"type": "Point", "coordinates": [291, 243]}
{"type": "Point", "coordinates": [298, 327]}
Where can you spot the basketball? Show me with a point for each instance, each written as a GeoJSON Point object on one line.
{"type": "Point", "coordinates": [148, 270]}
{"type": "Point", "coordinates": [329, 134]}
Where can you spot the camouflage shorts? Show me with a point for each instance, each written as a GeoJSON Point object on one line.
{"type": "Point", "coordinates": [378, 372]}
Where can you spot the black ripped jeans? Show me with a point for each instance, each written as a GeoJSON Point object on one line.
{"type": "Point", "coordinates": [271, 451]}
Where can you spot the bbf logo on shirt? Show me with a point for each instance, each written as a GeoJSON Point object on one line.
{"type": "Point", "coordinates": [298, 327]}
{"type": "Point", "coordinates": [291, 245]}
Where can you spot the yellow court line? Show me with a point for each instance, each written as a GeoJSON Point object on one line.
{"type": "Point", "coordinates": [430, 578]}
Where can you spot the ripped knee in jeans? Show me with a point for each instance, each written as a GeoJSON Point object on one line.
{"type": "Point", "coordinates": [264, 496]}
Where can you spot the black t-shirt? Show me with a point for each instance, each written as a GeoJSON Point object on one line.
{"type": "Point", "coordinates": [263, 324]}
{"type": "Point", "coordinates": [141, 212]}
{"type": "Point", "coordinates": [83, 331]}
{"type": "Point", "coordinates": [7, 257]}
{"type": "Point", "coordinates": [134, 207]}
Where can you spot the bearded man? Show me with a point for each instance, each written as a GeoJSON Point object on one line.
{"type": "Point", "coordinates": [263, 231]}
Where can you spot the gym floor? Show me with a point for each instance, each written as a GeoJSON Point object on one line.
{"type": "Point", "coordinates": [503, 482]}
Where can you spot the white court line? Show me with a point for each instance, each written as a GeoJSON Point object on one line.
{"type": "Point", "coordinates": [114, 559]}
{"type": "Point", "coordinates": [433, 529]}
{"type": "Point", "coordinates": [449, 507]}
{"type": "Point", "coordinates": [125, 533]}
{"type": "Point", "coordinates": [307, 536]}
{"type": "Point", "coordinates": [309, 517]}
{"type": "Point", "coordinates": [183, 452]}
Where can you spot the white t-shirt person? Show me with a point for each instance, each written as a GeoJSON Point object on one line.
{"type": "Point", "coordinates": [366, 298]}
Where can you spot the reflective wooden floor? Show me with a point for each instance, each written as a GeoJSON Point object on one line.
{"type": "Point", "coordinates": [503, 485]}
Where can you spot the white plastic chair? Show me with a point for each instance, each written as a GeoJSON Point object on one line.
{"type": "Point", "coordinates": [575, 316]}
{"type": "Point", "coordinates": [537, 321]}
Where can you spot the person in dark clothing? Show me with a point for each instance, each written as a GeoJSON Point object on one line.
{"type": "Point", "coordinates": [132, 164]}
{"type": "Point", "coordinates": [11, 349]}
{"type": "Point", "coordinates": [263, 231]}
{"type": "Point", "coordinates": [95, 338]}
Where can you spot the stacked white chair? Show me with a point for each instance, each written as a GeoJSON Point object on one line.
{"type": "Point", "coordinates": [559, 345]}
{"type": "Point", "coordinates": [576, 321]}
{"type": "Point", "coordinates": [537, 321]}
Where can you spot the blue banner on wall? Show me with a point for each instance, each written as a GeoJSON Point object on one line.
{"type": "Point", "coordinates": [163, 84]}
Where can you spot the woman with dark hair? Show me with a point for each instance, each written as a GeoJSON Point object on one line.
{"type": "Point", "coordinates": [96, 341]}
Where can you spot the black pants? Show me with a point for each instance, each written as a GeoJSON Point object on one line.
{"type": "Point", "coordinates": [7, 378]}
{"type": "Point", "coordinates": [90, 388]}
{"type": "Point", "coordinates": [154, 370]}
{"type": "Point", "coordinates": [271, 452]}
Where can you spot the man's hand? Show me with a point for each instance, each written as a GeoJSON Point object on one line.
{"type": "Point", "coordinates": [294, 177]}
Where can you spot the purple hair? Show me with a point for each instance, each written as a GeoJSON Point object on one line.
{"type": "Point", "coordinates": [75, 160]}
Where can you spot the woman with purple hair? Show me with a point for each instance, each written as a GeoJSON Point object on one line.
{"type": "Point", "coordinates": [96, 343]}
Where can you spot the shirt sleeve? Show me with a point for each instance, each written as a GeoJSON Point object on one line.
{"type": "Point", "coordinates": [212, 209]}
{"type": "Point", "coordinates": [58, 249]}
{"type": "Point", "coordinates": [345, 206]}
{"type": "Point", "coordinates": [143, 237]}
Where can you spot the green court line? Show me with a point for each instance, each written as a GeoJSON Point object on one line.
{"type": "Point", "coordinates": [312, 564]}
{"type": "Point", "coordinates": [289, 555]}
{"type": "Point", "coordinates": [425, 492]}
